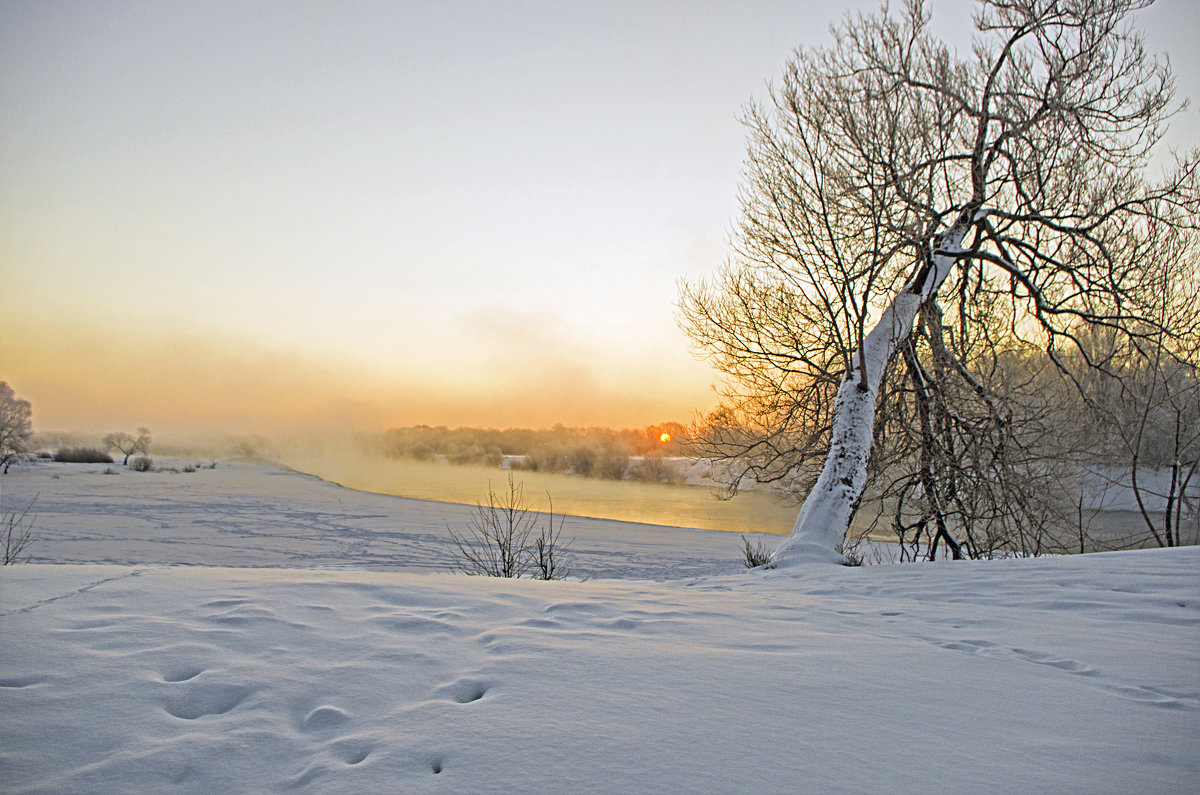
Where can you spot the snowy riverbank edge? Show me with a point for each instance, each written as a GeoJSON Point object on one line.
{"type": "Point", "coordinates": [259, 514]}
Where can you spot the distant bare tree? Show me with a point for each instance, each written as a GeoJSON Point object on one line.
{"type": "Point", "coordinates": [913, 219]}
{"type": "Point", "coordinates": [1148, 416]}
{"type": "Point", "coordinates": [15, 426]}
{"type": "Point", "coordinates": [128, 444]}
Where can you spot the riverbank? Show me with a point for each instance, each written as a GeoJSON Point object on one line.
{"type": "Point", "coordinates": [254, 513]}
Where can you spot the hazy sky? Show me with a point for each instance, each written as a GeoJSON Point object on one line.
{"type": "Point", "coordinates": [249, 215]}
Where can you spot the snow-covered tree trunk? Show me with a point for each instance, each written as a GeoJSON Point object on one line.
{"type": "Point", "coordinates": [827, 511]}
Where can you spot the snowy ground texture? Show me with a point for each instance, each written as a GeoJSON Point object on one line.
{"type": "Point", "coordinates": [1077, 674]}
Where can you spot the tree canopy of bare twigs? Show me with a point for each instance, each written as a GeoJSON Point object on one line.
{"type": "Point", "coordinates": [929, 237]}
{"type": "Point", "coordinates": [128, 444]}
{"type": "Point", "coordinates": [15, 426]}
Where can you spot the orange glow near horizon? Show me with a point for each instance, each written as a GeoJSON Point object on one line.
{"type": "Point", "coordinates": [83, 379]}
{"type": "Point", "coordinates": [666, 437]}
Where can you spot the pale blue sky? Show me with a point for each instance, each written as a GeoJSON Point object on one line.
{"type": "Point", "coordinates": [443, 212]}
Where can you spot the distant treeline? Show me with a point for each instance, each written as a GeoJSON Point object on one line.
{"type": "Point", "coordinates": [591, 452]}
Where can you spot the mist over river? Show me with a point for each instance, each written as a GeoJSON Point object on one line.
{"type": "Point", "coordinates": [675, 505]}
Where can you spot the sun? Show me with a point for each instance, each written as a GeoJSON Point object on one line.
{"type": "Point", "coordinates": [666, 437]}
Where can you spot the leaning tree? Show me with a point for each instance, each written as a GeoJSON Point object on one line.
{"type": "Point", "coordinates": [914, 220]}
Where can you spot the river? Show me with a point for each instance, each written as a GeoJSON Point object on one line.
{"type": "Point", "coordinates": [624, 500]}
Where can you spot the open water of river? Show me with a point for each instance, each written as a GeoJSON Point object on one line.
{"type": "Point", "coordinates": [630, 501]}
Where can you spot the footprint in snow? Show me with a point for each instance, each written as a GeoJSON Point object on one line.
{"type": "Point", "coordinates": [966, 645]}
{"type": "Point", "coordinates": [464, 691]}
{"type": "Point", "coordinates": [181, 674]}
{"type": "Point", "coordinates": [351, 752]}
{"type": "Point", "coordinates": [213, 699]}
{"type": "Point", "coordinates": [324, 717]}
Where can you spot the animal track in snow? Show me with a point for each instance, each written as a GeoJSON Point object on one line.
{"type": "Point", "coordinates": [966, 645]}
{"type": "Point", "coordinates": [1155, 696]}
{"type": "Point", "coordinates": [1145, 694]}
{"type": "Point", "coordinates": [1054, 662]}
{"type": "Point", "coordinates": [76, 592]}
{"type": "Point", "coordinates": [217, 603]}
{"type": "Point", "coordinates": [15, 682]}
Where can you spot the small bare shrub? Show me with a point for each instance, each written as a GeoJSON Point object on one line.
{"type": "Point", "coordinates": [189, 468]}
{"type": "Point", "coordinates": [858, 551]}
{"type": "Point", "coordinates": [756, 554]}
{"type": "Point", "coordinates": [851, 553]}
{"type": "Point", "coordinates": [16, 533]}
{"type": "Point", "coordinates": [143, 463]}
{"type": "Point", "coordinates": [499, 540]}
{"type": "Point", "coordinates": [548, 551]}
{"type": "Point", "coordinates": [111, 471]}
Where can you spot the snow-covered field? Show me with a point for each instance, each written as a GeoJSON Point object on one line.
{"type": "Point", "coordinates": [312, 643]}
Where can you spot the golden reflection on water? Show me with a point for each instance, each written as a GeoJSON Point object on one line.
{"type": "Point", "coordinates": [630, 501]}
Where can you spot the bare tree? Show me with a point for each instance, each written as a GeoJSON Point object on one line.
{"type": "Point", "coordinates": [15, 426]}
{"type": "Point", "coordinates": [1147, 420]}
{"type": "Point", "coordinates": [128, 444]}
{"type": "Point", "coordinates": [1169, 401]}
{"type": "Point", "coordinates": [992, 203]}
{"type": "Point", "coordinates": [1167, 392]}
